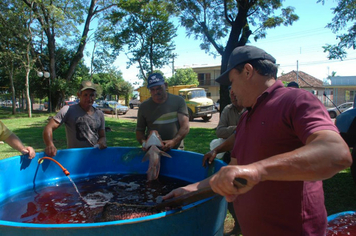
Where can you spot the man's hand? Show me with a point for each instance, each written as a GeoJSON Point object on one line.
{"type": "Point", "coordinates": [209, 157]}
{"type": "Point", "coordinates": [168, 144]}
{"type": "Point", "coordinates": [223, 181]}
{"type": "Point", "coordinates": [179, 192]}
{"type": "Point", "coordinates": [143, 146]}
{"type": "Point", "coordinates": [51, 150]}
{"type": "Point", "coordinates": [102, 143]}
{"type": "Point", "coordinates": [30, 151]}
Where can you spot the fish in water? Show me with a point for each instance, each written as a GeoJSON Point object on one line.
{"type": "Point", "coordinates": [153, 155]}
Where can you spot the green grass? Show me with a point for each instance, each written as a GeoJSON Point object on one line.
{"type": "Point", "coordinates": [340, 193]}
{"type": "Point", "coordinates": [340, 190]}
{"type": "Point", "coordinates": [29, 130]}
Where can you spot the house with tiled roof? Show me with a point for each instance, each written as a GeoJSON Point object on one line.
{"type": "Point", "coordinates": [340, 89]}
{"type": "Point", "coordinates": [304, 80]}
{"type": "Point", "coordinates": [307, 82]}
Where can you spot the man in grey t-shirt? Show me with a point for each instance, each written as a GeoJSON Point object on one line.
{"type": "Point", "coordinates": [85, 125]}
{"type": "Point", "coordinates": [164, 112]}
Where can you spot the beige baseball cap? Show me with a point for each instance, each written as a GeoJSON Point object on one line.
{"type": "Point", "coordinates": [87, 85]}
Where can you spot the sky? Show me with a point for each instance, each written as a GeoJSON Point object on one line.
{"type": "Point", "coordinates": [296, 47]}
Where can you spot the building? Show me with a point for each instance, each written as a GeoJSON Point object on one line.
{"type": "Point", "coordinates": [307, 82]}
{"type": "Point", "coordinates": [341, 89]}
{"type": "Point", "coordinates": [207, 75]}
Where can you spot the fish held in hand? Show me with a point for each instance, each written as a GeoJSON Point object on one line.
{"type": "Point", "coordinates": [153, 155]}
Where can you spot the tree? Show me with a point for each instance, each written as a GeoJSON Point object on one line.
{"type": "Point", "coordinates": [184, 76]}
{"type": "Point", "coordinates": [16, 45]}
{"type": "Point", "coordinates": [105, 50]}
{"type": "Point", "coordinates": [113, 84]}
{"type": "Point", "coordinates": [144, 27]}
{"type": "Point", "coordinates": [344, 16]}
{"type": "Point", "coordinates": [225, 25]}
{"type": "Point", "coordinates": [59, 19]}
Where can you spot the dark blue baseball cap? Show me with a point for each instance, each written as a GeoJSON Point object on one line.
{"type": "Point", "coordinates": [241, 55]}
{"type": "Point", "coordinates": [155, 79]}
{"type": "Point", "coordinates": [293, 84]}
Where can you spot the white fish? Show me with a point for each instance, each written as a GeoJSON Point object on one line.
{"type": "Point", "coordinates": [153, 155]}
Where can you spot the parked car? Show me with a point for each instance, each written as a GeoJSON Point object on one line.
{"type": "Point", "coordinates": [346, 124]}
{"type": "Point", "coordinates": [334, 112]}
{"type": "Point", "coordinates": [217, 105]}
{"type": "Point", "coordinates": [135, 101]}
{"type": "Point", "coordinates": [70, 103]}
{"type": "Point", "coordinates": [110, 107]}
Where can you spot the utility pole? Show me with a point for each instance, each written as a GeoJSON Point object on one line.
{"type": "Point", "coordinates": [297, 71]}
{"type": "Point", "coordinates": [173, 56]}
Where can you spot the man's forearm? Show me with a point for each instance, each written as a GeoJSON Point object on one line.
{"type": "Point", "coordinates": [227, 145]}
{"type": "Point", "coordinates": [182, 132]}
{"type": "Point", "coordinates": [140, 136]}
{"type": "Point", "coordinates": [184, 128]}
{"type": "Point", "coordinates": [48, 136]}
{"type": "Point", "coordinates": [324, 155]}
{"type": "Point", "coordinates": [15, 142]}
{"type": "Point", "coordinates": [224, 131]}
{"type": "Point", "coordinates": [102, 140]}
{"type": "Point", "coordinates": [48, 132]}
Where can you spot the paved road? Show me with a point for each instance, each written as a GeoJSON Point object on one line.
{"type": "Point", "coordinates": [196, 123]}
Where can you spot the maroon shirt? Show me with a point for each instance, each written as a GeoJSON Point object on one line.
{"type": "Point", "coordinates": [281, 121]}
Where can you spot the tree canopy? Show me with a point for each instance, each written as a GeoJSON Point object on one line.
{"type": "Point", "coordinates": [183, 76]}
{"type": "Point", "coordinates": [61, 29]}
{"type": "Point", "coordinates": [60, 23]}
{"type": "Point", "coordinates": [225, 25]}
{"type": "Point", "coordinates": [344, 26]}
{"type": "Point", "coordinates": [112, 83]}
{"type": "Point", "coordinates": [144, 27]}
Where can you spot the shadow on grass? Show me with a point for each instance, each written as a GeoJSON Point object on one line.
{"type": "Point", "coordinates": [122, 133]}
{"type": "Point", "coordinates": [198, 140]}
{"type": "Point", "coordinates": [6, 113]}
{"type": "Point", "coordinates": [340, 193]}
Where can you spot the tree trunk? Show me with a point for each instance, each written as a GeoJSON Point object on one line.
{"type": "Point", "coordinates": [11, 76]}
{"type": "Point", "coordinates": [239, 35]}
{"type": "Point", "coordinates": [52, 70]}
{"type": "Point", "coordinates": [28, 99]}
{"type": "Point", "coordinates": [92, 62]}
{"type": "Point", "coordinates": [27, 79]}
{"type": "Point", "coordinates": [79, 54]}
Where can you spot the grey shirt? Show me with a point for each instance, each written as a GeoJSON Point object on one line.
{"type": "Point", "coordinates": [161, 117]}
{"type": "Point", "coordinates": [82, 129]}
{"type": "Point", "coordinates": [229, 118]}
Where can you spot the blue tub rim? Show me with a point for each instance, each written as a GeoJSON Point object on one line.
{"type": "Point", "coordinates": [107, 223]}
{"type": "Point", "coordinates": [4, 223]}
{"type": "Point", "coordinates": [336, 215]}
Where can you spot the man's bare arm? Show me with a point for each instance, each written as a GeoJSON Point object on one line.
{"type": "Point", "coordinates": [52, 125]}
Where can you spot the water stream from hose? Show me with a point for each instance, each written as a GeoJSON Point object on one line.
{"type": "Point", "coordinates": [66, 172]}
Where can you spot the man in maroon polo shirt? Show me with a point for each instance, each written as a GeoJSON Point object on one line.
{"type": "Point", "coordinates": [285, 145]}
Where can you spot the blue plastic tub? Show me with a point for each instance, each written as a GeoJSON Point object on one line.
{"type": "Point", "coordinates": [205, 217]}
{"type": "Point", "coordinates": [343, 223]}
{"type": "Point", "coordinates": [334, 216]}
